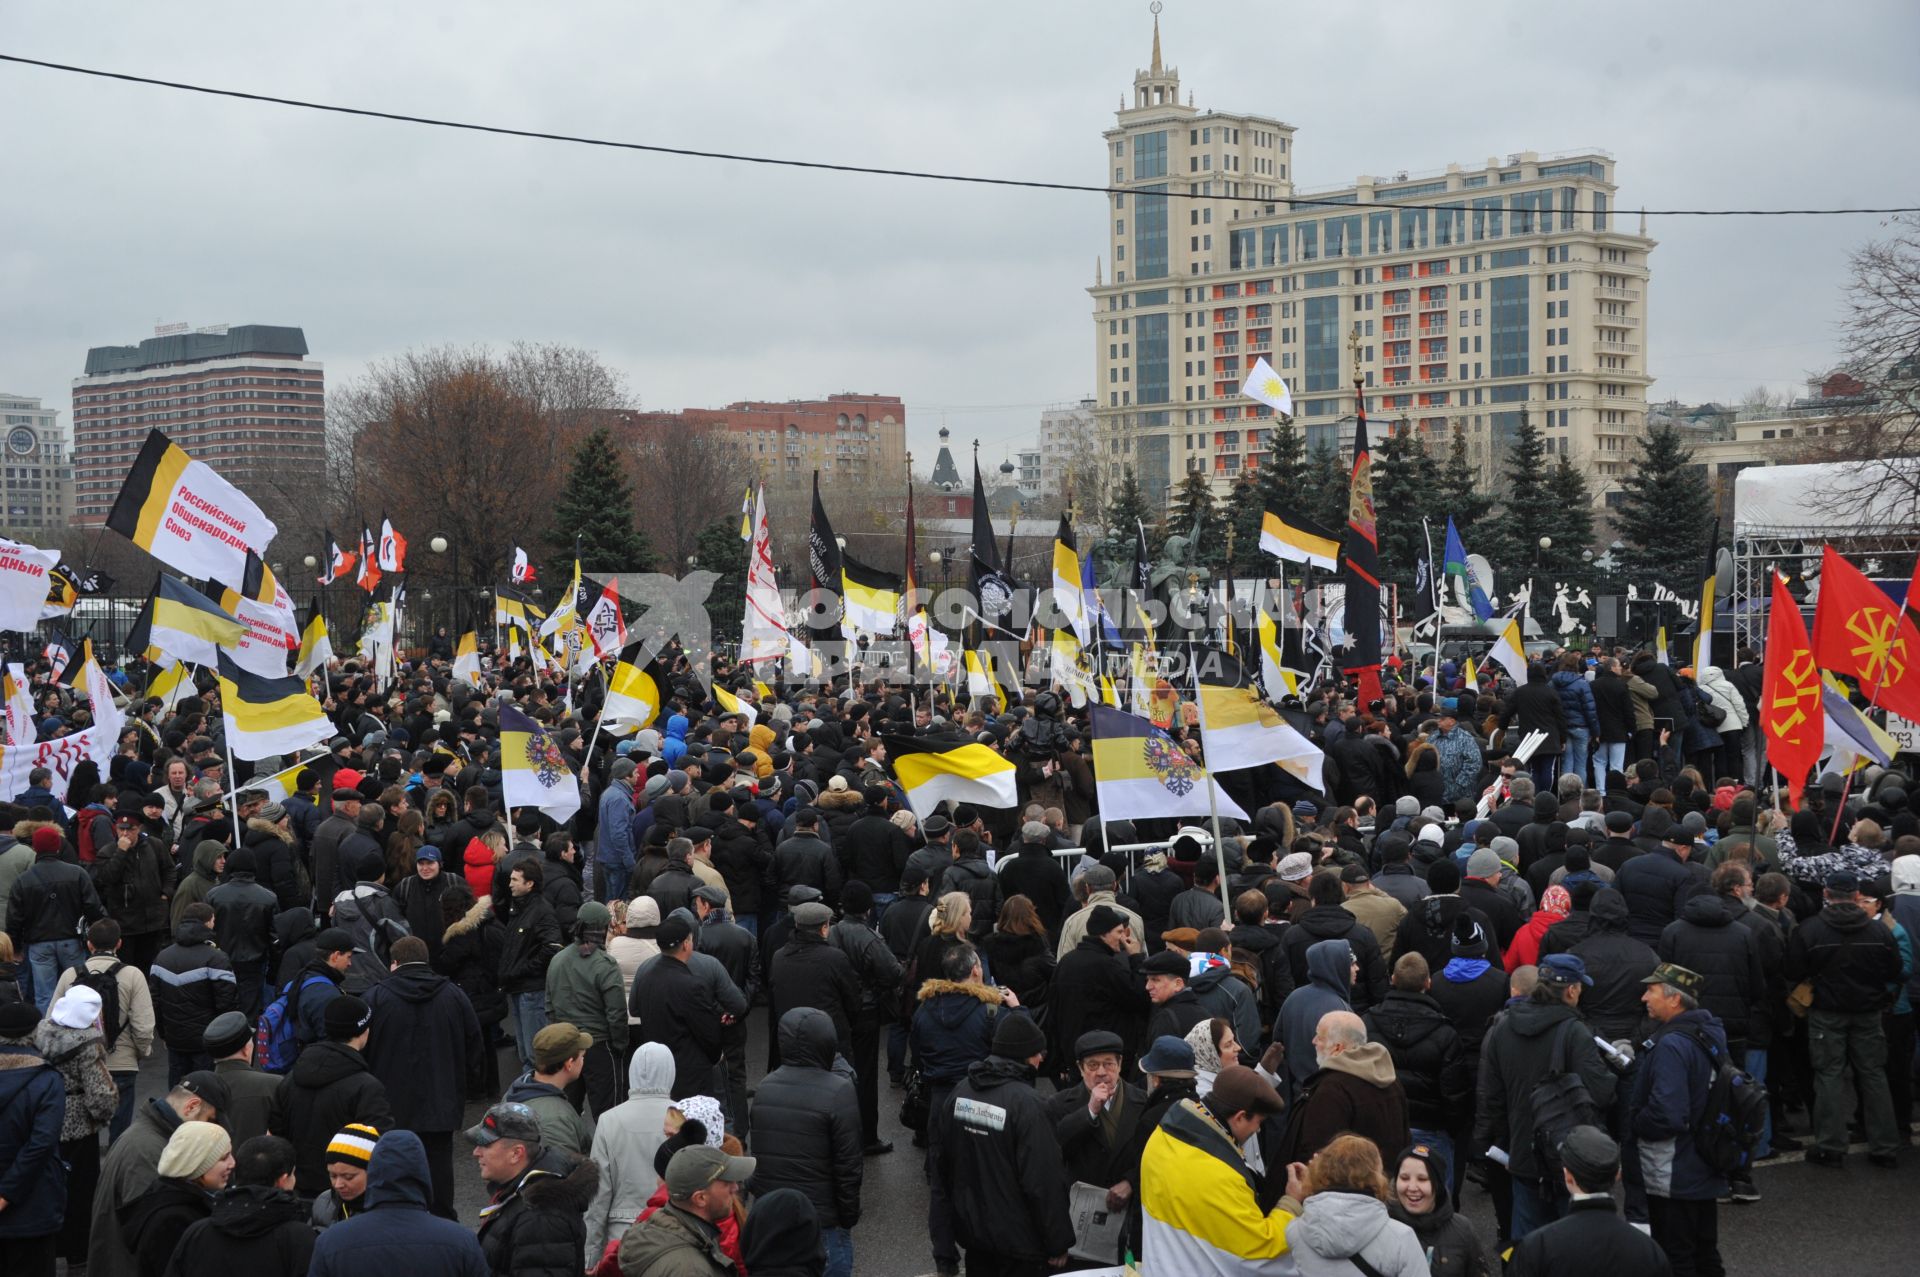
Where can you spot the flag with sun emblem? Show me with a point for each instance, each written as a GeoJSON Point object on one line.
{"type": "Point", "coordinates": [1140, 772]}
{"type": "Point", "coordinates": [1264, 384]}
{"type": "Point", "coordinates": [533, 772]}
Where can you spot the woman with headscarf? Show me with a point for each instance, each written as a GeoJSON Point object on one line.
{"type": "Point", "coordinates": [70, 1040]}
{"type": "Point", "coordinates": [1420, 1201]}
{"type": "Point", "coordinates": [196, 1164]}
{"type": "Point", "coordinates": [1555, 904]}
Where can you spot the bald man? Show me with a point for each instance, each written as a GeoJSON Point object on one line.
{"type": "Point", "coordinates": [1352, 1089]}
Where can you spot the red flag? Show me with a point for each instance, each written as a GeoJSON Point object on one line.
{"type": "Point", "coordinates": [1360, 572]}
{"type": "Point", "coordinates": [1790, 706]}
{"type": "Point", "coordinates": [1857, 630]}
{"type": "Point", "coordinates": [369, 578]}
{"type": "Point", "coordinates": [339, 562]}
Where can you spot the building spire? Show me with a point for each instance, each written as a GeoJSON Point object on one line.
{"type": "Point", "coordinates": [1155, 7]}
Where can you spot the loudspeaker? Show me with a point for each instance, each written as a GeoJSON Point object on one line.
{"type": "Point", "coordinates": [1606, 616]}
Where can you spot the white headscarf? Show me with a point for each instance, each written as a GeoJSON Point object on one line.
{"type": "Point", "coordinates": [78, 1008]}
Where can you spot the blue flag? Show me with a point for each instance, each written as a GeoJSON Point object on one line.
{"type": "Point", "coordinates": [1456, 565]}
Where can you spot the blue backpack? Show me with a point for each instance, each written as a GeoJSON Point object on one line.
{"type": "Point", "coordinates": [276, 1040]}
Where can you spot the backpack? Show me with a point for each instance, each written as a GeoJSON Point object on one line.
{"type": "Point", "coordinates": [1735, 1114]}
{"type": "Point", "coordinates": [83, 835]}
{"type": "Point", "coordinates": [1561, 1102]}
{"type": "Point", "coordinates": [276, 1041]}
{"type": "Point", "coordinates": [107, 985]}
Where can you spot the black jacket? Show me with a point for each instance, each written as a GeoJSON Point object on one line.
{"type": "Point", "coordinates": [1331, 922]}
{"type": "Point", "coordinates": [806, 861]}
{"type": "Point", "coordinates": [673, 887]}
{"type": "Point", "coordinates": [243, 914]}
{"type": "Point", "coordinates": [974, 876]}
{"type": "Point", "coordinates": [1090, 1154]}
{"type": "Point", "coordinates": [538, 1227]}
{"type": "Point", "coordinates": [134, 886]}
{"type": "Point", "coordinates": [874, 964]}
{"type": "Point", "coordinates": [154, 1222]}
{"type": "Point", "coordinates": [419, 901]}
{"type": "Point", "coordinates": [1022, 963]}
{"type": "Point", "coordinates": [1263, 948]}
{"type": "Point", "coordinates": [1615, 705]}
{"type": "Point", "coordinates": [328, 1087]}
{"type": "Point", "coordinates": [1496, 907]}
{"type": "Point", "coordinates": [1035, 872]}
{"type": "Point", "coordinates": [276, 864]}
{"type": "Point", "coordinates": [470, 955]}
{"type": "Point", "coordinates": [676, 1008]}
{"type": "Point", "coordinates": [1536, 707]}
{"type": "Point", "coordinates": [1176, 1016]}
{"type": "Point", "coordinates": [1453, 1248]}
{"type": "Point", "coordinates": [1427, 1057]}
{"type": "Point", "coordinates": [424, 1046]}
{"type": "Point", "coordinates": [995, 1152]}
{"type": "Point", "coordinates": [192, 982]}
{"type": "Point", "coordinates": [253, 1229]}
{"type": "Point", "coordinates": [1515, 1057]}
{"type": "Point", "coordinates": [810, 972]}
{"type": "Point", "coordinates": [1591, 1240]}
{"type": "Point", "coordinates": [873, 850]}
{"type": "Point", "coordinates": [1618, 963]}
{"type": "Point", "coordinates": [395, 1233]}
{"type": "Point", "coordinates": [733, 947]}
{"type": "Point", "coordinates": [806, 1125]}
{"type": "Point", "coordinates": [533, 937]}
{"type": "Point", "coordinates": [1655, 885]}
{"type": "Point", "coordinates": [1095, 988]}
{"type": "Point", "coordinates": [1851, 959]}
{"type": "Point", "coordinates": [327, 839]}
{"type": "Point", "coordinates": [560, 888]}
{"type": "Point", "coordinates": [741, 853]}
{"type": "Point", "coordinates": [1428, 929]}
{"type": "Point", "coordinates": [1709, 940]}
{"type": "Point", "coordinates": [52, 900]}
{"type": "Point", "coordinates": [1154, 890]}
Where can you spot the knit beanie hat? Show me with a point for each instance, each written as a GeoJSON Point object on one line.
{"type": "Point", "coordinates": [354, 1146]}
{"type": "Point", "coordinates": [192, 1150]}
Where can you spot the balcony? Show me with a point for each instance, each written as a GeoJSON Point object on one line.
{"type": "Point", "coordinates": [1263, 346]}
{"type": "Point", "coordinates": [1225, 323]}
{"type": "Point", "coordinates": [1616, 321]}
{"type": "Point", "coordinates": [1397, 361]}
{"type": "Point", "coordinates": [1433, 329]}
{"type": "Point", "coordinates": [1398, 308]}
{"type": "Point", "coordinates": [1617, 294]}
{"type": "Point", "coordinates": [1617, 347]}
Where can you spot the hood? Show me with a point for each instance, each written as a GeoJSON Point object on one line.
{"type": "Point", "coordinates": [188, 932]}
{"type": "Point", "coordinates": [1566, 678]}
{"type": "Point", "coordinates": [254, 1210]}
{"type": "Point", "coordinates": [761, 737]}
{"type": "Point", "coordinates": [291, 926]}
{"type": "Point", "coordinates": [782, 1234]}
{"type": "Point", "coordinates": [650, 1072]}
{"type": "Point", "coordinates": [949, 1003]}
{"type": "Point", "coordinates": [255, 825]}
{"type": "Point", "coordinates": [1906, 876]}
{"type": "Point", "coordinates": [1370, 1062]}
{"type": "Point", "coordinates": [677, 727]}
{"type": "Point", "coordinates": [526, 1087]}
{"type": "Point", "coordinates": [1209, 979]}
{"type": "Point", "coordinates": [324, 1063]}
{"type": "Point", "coordinates": [20, 1063]}
{"type": "Point", "coordinates": [566, 1186]}
{"type": "Point", "coordinates": [1338, 1225]}
{"type": "Point", "coordinates": [846, 798]}
{"type": "Point", "coordinates": [1707, 911]}
{"type": "Point", "coordinates": [415, 982]}
{"type": "Point", "coordinates": [1608, 912]}
{"type": "Point", "coordinates": [476, 854]}
{"type": "Point", "coordinates": [1846, 917]}
{"type": "Point", "coordinates": [1531, 1019]}
{"type": "Point", "coordinates": [164, 1195]}
{"type": "Point", "coordinates": [205, 856]}
{"type": "Point", "coordinates": [997, 1071]}
{"type": "Point", "coordinates": [57, 1039]}
{"type": "Point", "coordinates": [807, 1038]}
{"type": "Point", "coordinates": [397, 1174]}
{"type": "Point", "coordinates": [644, 912]}
{"type": "Point", "coordinates": [477, 912]}
{"type": "Point", "coordinates": [1328, 922]}
{"type": "Point", "coordinates": [1330, 963]}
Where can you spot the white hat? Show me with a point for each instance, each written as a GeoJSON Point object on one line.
{"type": "Point", "coordinates": [77, 1008]}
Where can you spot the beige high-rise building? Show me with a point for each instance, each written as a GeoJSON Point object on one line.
{"type": "Point", "coordinates": [1478, 293]}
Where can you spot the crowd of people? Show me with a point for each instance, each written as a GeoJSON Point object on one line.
{"type": "Point", "coordinates": [1296, 1047]}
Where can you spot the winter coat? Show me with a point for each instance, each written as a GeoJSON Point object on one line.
{"type": "Point", "coordinates": [80, 1057]}
{"type": "Point", "coordinates": [1175, 1017]}
{"type": "Point", "coordinates": [424, 1045]}
{"type": "Point", "coordinates": [1666, 1104]}
{"type": "Point", "coordinates": [1590, 1240]}
{"type": "Point", "coordinates": [1223, 994]}
{"type": "Point", "coordinates": [326, 844]}
{"type": "Point", "coordinates": [1614, 704]}
{"type": "Point", "coordinates": [194, 886]}
{"type": "Point", "coordinates": [52, 900]}
{"type": "Point", "coordinates": [1525, 949]}
{"type": "Point", "coordinates": [252, 1229]}
{"type": "Point", "coordinates": [1617, 962]}
{"type": "Point", "coordinates": [584, 989]}
{"type": "Point", "coordinates": [676, 1007]}
{"type": "Point", "coordinates": [397, 1232]}
{"type": "Point", "coordinates": [1035, 872]}
{"type": "Point", "coordinates": [1380, 913]}
{"type": "Point", "coordinates": [1577, 702]}
{"type": "Point", "coordinates": [533, 937]}
{"type": "Point", "coordinates": [33, 1111]}
{"type": "Point", "coordinates": [1708, 939]}
{"type": "Point", "coordinates": [1202, 1216]}
{"type": "Point", "coordinates": [1154, 891]}
{"type": "Point", "coordinates": [874, 850]}
{"type": "Point", "coordinates": [874, 965]}
{"type": "Point", "coordinates": [976, 878]}
{"type": "Point", "coordinates": [810, 972]}
{"type": "Point", "coordinates": [1469, 994]}
{"type": "Point", "coordinates": [135, 886]}
{"type": "Point", "coordinates": [731, 945]}
{"type": "Point", "coordinates": [155, 1222]}
{"type": "Point", "coordinates": [1334, 922]}
{"type": "Point", "coordinates": [1022, 963]}
{"type": "Point", "coordinates": [561, 1124]}
{"type": "Point", "coordinates": [1536, 707]}
{"type": "Point", "coordinates": [1493, 903]}
{"type": "Point", "coordinates": [560, 885]}
{"type": "Point", "coordinates": [806, 1125]}
{"type": "Point", "coordinates": [625, 1138]}
{"type": "Point", "coordinates": [673, 887]}
{"type": "Point", "coordinates": [127, 1172]}
{"type": "Point", "coordinates": [1090, 1154]}
{"type": "Point", "coordinates": [470, 954]}
{"type": "Point", "coordinates": [1262, 949]}
{"type": "Point", "coordinates": [277, 863]}
{"type": "Point", "coordinates": [614, 828]}
{"type": "Point", "coordinates": [1448, 1238]}
{"type": "Point", "coordinates": [367, 912]}
{"type": "Point", "coordinates": [1355, 1092]}
{"type": "Point", "coordinates": [419, 902]}
{"type": "Point", "coordinates": [1094, 988]}
{"type": "Point", "coordinates": [1712, 682]}
{"type": "Point", "coordinates": [243, 914]}
{"type": "Point", "coordinates": [953, 1027]}
{"type": "Point", "coordinates": [995, 1153]}
{"type": "Point", "coordinates": [1326, 987]}
{"type": "Point", "coordinates": [1656, 886]}
{"type": "Point", "coordinates": [192, 982]}
{"type": "Point", "coordinates": [537, 1227]}
{"type": "Point", "coordinates": [1334, 1226]}
{"type": "Point", "coordinates": [1198, 908]}
{"type": "Point", "coordinates": [135, 1041]}
{"type": "Point", "coordinates": [476, 865]}
{"type": "Point", "coordinates": [1428, 1059]}
{"type": "Point", "coordinates": [807, 861]}
{"type": "Point", "coordinates": [1516, 1055]}
{"type": "Point", "coordinates": [328, 1087]}
{"type": "Point", "coordinates": [1851, 960]}
{"type": "Point", "coordinates": [1428, 929]}
{"type": "Point", "coordinates": [669, 1242]}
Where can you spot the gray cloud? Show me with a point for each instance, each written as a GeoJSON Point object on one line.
{"type": "Point", "coordinates": [704, 282]}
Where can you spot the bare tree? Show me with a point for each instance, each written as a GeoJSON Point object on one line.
{"type": "Point", "coordinates": [685, 477]}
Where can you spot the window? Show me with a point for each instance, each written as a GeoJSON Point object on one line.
{"type": "Point", "coordinates": [1509, 325]}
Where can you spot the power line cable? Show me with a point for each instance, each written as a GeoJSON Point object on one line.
{"type": "Point", "coordinates": [874, 171]}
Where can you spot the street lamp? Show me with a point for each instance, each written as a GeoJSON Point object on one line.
{"type": "Point", "coordinates": [311, 562]}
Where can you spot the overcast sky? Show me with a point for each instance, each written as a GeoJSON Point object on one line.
{"type": "Point", "coordinates": [705, 282]}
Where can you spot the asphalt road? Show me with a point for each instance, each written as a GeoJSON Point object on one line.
{"type": "Point", "coordinates": [1860, 1216]}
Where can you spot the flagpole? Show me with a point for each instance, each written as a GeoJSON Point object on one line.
{"type": "Point", "coordinates": [1213, 810]}
{"type": "Point", "coordinates": [233, 783]}
{"type": "Point", "coordinates": [1426, 526]}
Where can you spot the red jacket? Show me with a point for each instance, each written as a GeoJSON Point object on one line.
{"type": "Point", "coordinates": [477, 864]}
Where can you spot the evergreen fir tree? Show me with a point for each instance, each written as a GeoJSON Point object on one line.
{"type": "Point", "coordinates": [1192, 507]}
{"type": "Point", "coordinates": [596, 506]}
{"type": "Point", "coordinates": [1282, 477]}
{"type": "Point", "coordinates": [1245, 513]}
{"type": "Point", "coordinates": [1527, 509]}
{"type": "Point", "coordinates": [1324, 497]}
{"type": "Point", "coordinates": [719, 549]}
{"type": "Point", "coordinates": [1403, 491]}
{"type": "Point", "coordinates": [1664, 515]}
{"type": "Point", "coordinates": [1457, 488]}
{"type": "Point", "coordinates": [1127, 511]}
{"type": "Point", "coordinates": [1574, 506]}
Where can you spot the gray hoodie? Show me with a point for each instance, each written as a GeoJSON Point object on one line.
{"type": "Point", "coordinates": [1334, 1226]}
{"type": "Point", "coordinates": [1329, 987]}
